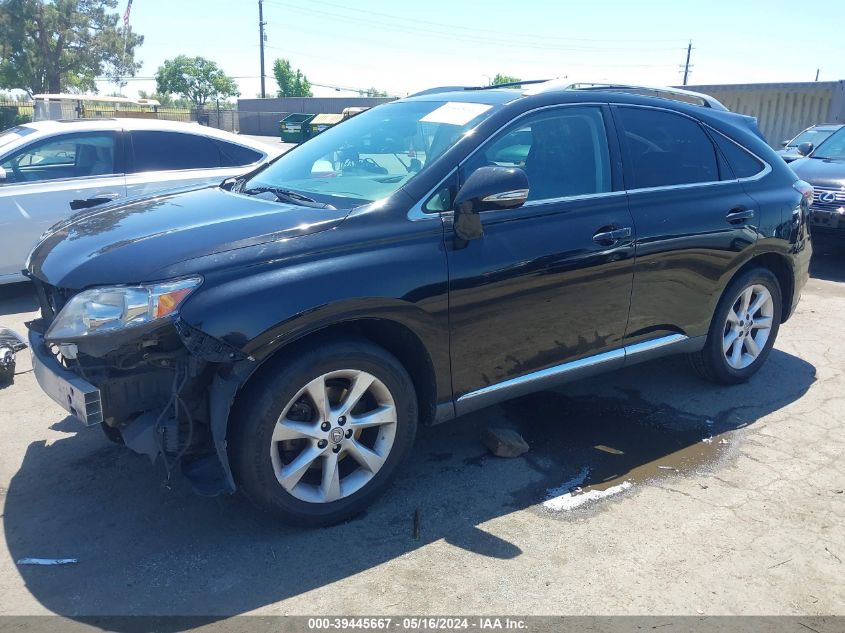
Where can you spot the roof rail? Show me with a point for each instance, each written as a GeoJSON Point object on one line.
{"type": "Point", "coordinates": [512, 84]}
{"type": "Point", "coordinates": [663, 92]}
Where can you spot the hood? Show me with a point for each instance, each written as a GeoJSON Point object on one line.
{"type": "Point", "coordinates": [820, 172]}
{"type": "Point", "coordinates": [132, 241]}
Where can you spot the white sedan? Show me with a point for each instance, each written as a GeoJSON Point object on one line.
{"type": "Point", "coordinates": [50, 169]}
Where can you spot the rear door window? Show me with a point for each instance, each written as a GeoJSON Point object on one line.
{"type": "Point", "coordinates": [663, 149]}
{"type": "Point", "coordinates": [172, 151]}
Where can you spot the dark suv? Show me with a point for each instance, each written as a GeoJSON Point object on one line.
{"type": "Point", "coordinates": [286, 332]}
{"type": "Point", "coordinates": [823, 167]}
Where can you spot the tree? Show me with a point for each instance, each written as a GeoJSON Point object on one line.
{"type": "Point", "coordinates": [63, 45]}
{"type": "Point", "coordinates": [196, 79]}
{"type": "Point", "coordinates": [373, 92]}
{"type": "Point", "coordinates": [500, 79]}
{"type": "Point", "coordinates": [291, 83]}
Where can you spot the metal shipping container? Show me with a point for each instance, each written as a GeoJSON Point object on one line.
{"type": "Point", "coordinates": [784, 109]}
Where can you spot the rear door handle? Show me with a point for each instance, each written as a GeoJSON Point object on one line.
{"type": "Point", "coordinates": [606, 237]}
{"type": "Point", "coordinates": [735, 216]}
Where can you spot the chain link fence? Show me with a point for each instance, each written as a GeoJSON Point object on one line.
{"type": "Point", "coordinates": [17, 112]}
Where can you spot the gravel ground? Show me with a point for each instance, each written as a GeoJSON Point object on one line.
{"type": "Point", "coordinates": [701, 500]}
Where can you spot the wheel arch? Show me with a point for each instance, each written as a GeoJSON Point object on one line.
{"type": "Point", "coordinates": [780, 266]}
{"type": "Point", "coordinates": [397, 338]}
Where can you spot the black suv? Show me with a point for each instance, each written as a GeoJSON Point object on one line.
{"type": "Point", "coordinates": [286, 332]}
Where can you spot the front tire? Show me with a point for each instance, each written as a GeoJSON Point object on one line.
{"type": "Point", "coordinates": [317, 438]}
{"type": "Point", "coordinates": [744, 328]}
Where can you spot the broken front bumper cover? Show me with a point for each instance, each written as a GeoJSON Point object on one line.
{"type": "Point", "coordinates": [74, 394]}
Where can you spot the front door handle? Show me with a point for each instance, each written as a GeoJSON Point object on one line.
{"type": "Point", "coordinates": [735, 216]}
{"type": "Point", "coordinates": [608, 235]}
{"type": "Point", "coordinates": [76, 205]}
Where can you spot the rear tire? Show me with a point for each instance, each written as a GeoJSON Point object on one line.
{"type": "Point", "coordinates": [737, 346]}
{"type": "Point", "coordinates": [321, 435]}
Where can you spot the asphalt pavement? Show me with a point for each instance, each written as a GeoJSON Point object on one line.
{"type": "Point", "coordinates": [700, 499]}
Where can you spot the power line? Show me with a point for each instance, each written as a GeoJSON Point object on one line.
{"type": "Point", "coordinates": [505, 40]}
{"type": "Point", "coordinates": [464, 29]}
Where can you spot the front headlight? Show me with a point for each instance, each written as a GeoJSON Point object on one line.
{"type": "Point", "coordinates": [107, 309]}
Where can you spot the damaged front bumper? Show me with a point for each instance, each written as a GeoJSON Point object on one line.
{"type": "Point", "coordinates": [166, 393]}
{"type": "Point", "coordinates": [74, 394]}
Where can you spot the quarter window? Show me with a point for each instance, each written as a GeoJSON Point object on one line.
{"type": "Point", "coordinates": [564, 152]}
{"type": "Point", "coordinates": [664, 149]}
{"type": "Point", "coordinates": [233, 155]}
{"type": "Point", "coordinates": [742, 163]}
{"type": "Point", "coordinates": [168, 151]}
{"type": "Point", "coordinates": [69, 156]}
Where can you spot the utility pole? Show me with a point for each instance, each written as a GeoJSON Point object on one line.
{"type": "Point", "coordinates": [261, 24]}
{"type": "Point", "coordinates": [817, 73]}
{"type": "Point", "coordinates": [686, 66]}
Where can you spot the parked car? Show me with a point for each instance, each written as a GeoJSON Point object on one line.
{"type": "Point", "coordinates": [814, 134]}
{"type": "Point", "coordinates": [285, 334]}
{"type": "Point", "coordinates": [824, 169]}
{"type": "Point", "coordinates": [49, 169]}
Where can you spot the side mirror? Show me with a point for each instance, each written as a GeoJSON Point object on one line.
{"type": "Point", "coordinates": [487, 189]}
{"type": "Point", "coordinates": [2, 175]}
{"type": "Point", "coordinates": [805, 149]}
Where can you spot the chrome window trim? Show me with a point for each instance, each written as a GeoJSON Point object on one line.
{"type": "Point", "coordinates": [417, 213]}
{"type": "Point", "coordinates": [563, 369]}
{"type": "Point", "coordinates": [74, 179]}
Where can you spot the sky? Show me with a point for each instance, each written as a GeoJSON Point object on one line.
{"type": "Point", "coordinates": [403, 47]}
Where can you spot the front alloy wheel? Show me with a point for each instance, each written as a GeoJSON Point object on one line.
{"type": "Point", "coordinates": [333, 436]}
{"type": "Point", "coordinates": [315, 438]}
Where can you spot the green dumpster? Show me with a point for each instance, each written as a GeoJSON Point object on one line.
{"type": "Point", "coordinates": [323, 122]}
{"type": "Point", "coordinates": [292, 128]}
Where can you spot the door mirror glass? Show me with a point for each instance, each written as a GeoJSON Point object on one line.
{"type": "Point", "coordinates": [492, 187]}
{"type": "Point", "coordinates": [488, 188]}
{"type": "Point", "coordinates": [805, 149]}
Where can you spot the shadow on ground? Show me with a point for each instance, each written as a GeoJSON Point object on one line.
{"type": "Point", "coordinates": [17, 298]}
{"type": "Point", "coordinates": [828, 261]}
{"type": "Point", "coordinates": [146, 549]}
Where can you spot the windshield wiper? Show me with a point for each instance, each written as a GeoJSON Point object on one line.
{"type": "Point", "coordinates": [286, 195]}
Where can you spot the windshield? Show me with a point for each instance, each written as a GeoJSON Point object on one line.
{"type": "Point", "coordinates": [833, 147]}
{"type": "Point", "coordinates": [13, 134]}
{"type": "Point", "coordinates": [814, 136]}
{"type": "Point", "coordinates": [371, 155]}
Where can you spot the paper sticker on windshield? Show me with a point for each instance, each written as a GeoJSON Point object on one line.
{"type": "Point", "coordinates": [456, 113]}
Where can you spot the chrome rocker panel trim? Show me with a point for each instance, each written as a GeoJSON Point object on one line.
{"type": "Point", "coordinates": [581, 368]}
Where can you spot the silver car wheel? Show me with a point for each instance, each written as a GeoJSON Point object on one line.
{"type": "Point", "coordinates": [333, 436]}
{"type": "Point", "coordinates": [748, 326]}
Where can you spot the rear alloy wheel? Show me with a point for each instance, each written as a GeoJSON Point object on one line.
{"type": "Point", "coordinates": [743, 330]}
{"type": "Point", "coordinates": [747, 326]}
{"type": "Point", "coordinates": [321, 436]}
